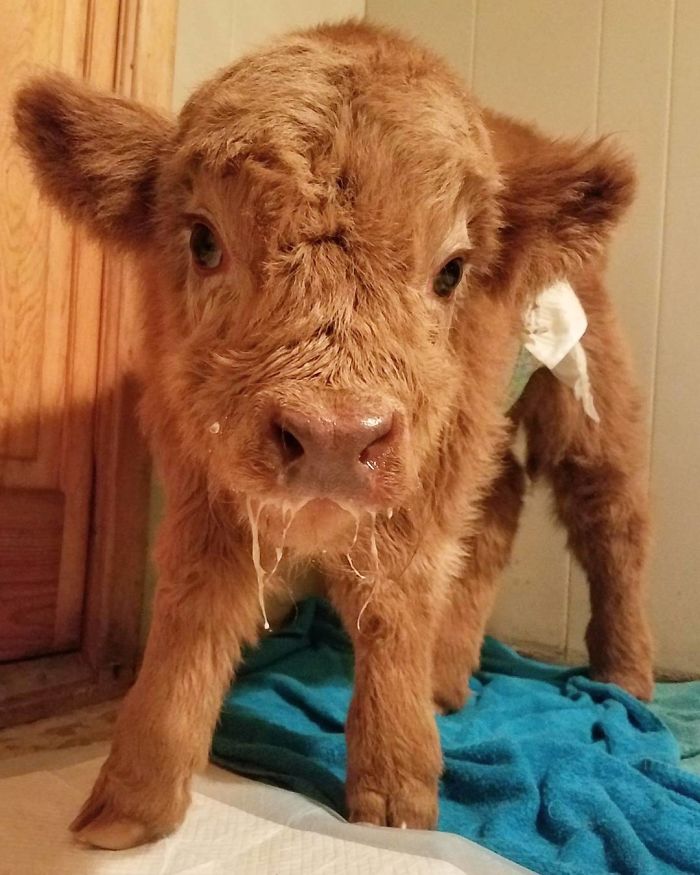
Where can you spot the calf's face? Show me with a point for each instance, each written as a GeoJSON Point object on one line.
{"type": "Point", "coordinates": [315, 357]}
{"type": "Point", "coordinates": [311, 232]}
{"type": "Point", "coordinates": [314, 271]}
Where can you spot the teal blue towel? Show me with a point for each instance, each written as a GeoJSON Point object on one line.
{"type": "Point", "coordinates": [544, 766]}
{"type": "Point", "coordinates": [678, 705]}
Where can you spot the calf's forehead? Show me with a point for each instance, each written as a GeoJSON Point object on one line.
{"type": "Point", "coordinates": [320, 131]}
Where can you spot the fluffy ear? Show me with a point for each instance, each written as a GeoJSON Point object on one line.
{"type": "Point", "coordinates": [560, 199]}
{"type": "Point", "coordinates": [95, 156]}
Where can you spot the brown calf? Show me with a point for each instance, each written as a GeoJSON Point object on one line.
{"type": "Point", "coordinates": [337, 247]}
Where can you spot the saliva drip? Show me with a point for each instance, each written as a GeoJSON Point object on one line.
{"type": "Point", "coordinates": [348, 556]}
{"type": "Point", "coordinates": [289, 511]}
{"type": "Point", "coordinates": [374, 553]}
{"type": "Point", "coordinates": [254, 519]}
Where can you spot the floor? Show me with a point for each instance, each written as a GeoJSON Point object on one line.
{"type": "Point", "coordinates": [59, 740]}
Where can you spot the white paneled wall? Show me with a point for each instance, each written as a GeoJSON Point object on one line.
{"type": "Point", "coordinates": [675, 460]}
{"type": "Point", "coordinates": [213, 33]}
{"type": "Point", "coordinates": [632, 68]}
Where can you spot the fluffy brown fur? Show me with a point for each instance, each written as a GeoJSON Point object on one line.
{"type": "Point", "coordinates": [341, 168]}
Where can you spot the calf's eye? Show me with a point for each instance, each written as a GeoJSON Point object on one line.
{"type": "Point", "coordinates": [448, 278]}
{"type": "Point", "coordinates": [206, 250]}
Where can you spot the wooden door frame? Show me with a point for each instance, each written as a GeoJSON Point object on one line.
{"type": "Point", "coordinates": [129, 49]}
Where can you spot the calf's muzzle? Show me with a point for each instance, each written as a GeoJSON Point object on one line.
{"type": "Point", "coordinates": [344, 452]}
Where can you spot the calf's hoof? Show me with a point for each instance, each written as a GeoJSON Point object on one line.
{"type": "Point", "coordinates": [452, 696]}
{"type": "Point", "coordinates": [637, 681]}
{"type": "Point", "coordinates": [114, 833]}
{"type": "Point", "coordinates": [406, 805]}
{"type": "Point", "coordinates": [115, 818]}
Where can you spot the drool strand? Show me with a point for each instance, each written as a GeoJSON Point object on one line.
{"type": "Point", "coordinates": [375, 556]}
{"type": "Point", "coordinates": [254, 519]}
{"type": "Point", "coordinates": [348, 555]}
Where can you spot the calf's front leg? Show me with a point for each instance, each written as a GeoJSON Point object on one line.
{"type": "Point", "coordinates": [394, 758]}
{"type": "Point", "coordinates": [205, 609]}
{"type": "Point", "coordinates": [460, 632]}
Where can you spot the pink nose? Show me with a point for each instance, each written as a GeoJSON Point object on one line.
{"type": "Point", "coordinates": [339, 453]}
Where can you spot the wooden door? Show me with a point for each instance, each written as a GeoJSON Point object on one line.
{"type": "Point", "coordinates": [50, 284]}
{"type": "Point", "coordinates": [73, 472]}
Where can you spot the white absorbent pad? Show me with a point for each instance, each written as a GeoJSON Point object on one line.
{"type": "Point", "coordinates": [234, 827]}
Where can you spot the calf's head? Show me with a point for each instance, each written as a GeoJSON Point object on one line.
{"type": "Point", "coordinates": [311, 232]}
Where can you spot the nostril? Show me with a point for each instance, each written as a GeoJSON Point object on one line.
{"type": "Point", "coordinates": [290, 446]}
{"type": "Point", "coordinates": [381, 443]}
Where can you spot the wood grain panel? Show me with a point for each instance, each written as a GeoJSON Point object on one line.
{"type": "Point", "coordinates": [24, 225]}
{"type": "Point", "coordinates": [50, 291]}
{"type": "Point", "coordinates": [31, 537]}
{"type": "Point", "coordinates": [45, 441]}
{"type": "Point", "coordinates": [122, 45]}
{"type": "Point", "coordinates": [94, 50]}
{"type": "Point", "coordinates": [42, 272]}
{"type": "Point", "coordinates": [146, 38]}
